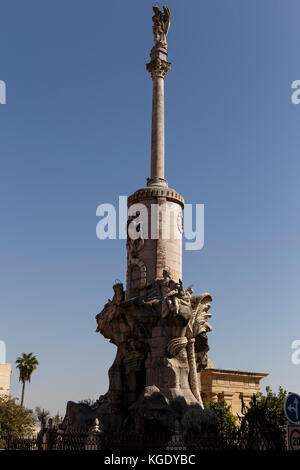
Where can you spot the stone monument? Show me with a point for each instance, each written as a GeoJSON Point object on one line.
{"type": "Point", "coordinates": [159, 327]}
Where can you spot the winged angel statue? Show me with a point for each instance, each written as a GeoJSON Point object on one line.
{"type": "Point", "coordinates": [161, 24]}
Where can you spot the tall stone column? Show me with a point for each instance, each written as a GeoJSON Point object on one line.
{"type": "Point", "coordinates": [161, 248]}
{"type": "Point", "coordinates": [158, 67]}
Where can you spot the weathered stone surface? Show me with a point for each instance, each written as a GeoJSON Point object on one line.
{"type": "Point", "coordinates": [161, 346]}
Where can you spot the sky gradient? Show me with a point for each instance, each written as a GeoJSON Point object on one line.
{"type": "Point", "coordinates": [75, 133]}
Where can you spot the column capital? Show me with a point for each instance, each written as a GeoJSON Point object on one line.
{"type": "Point", "coordinates": [158, 68]}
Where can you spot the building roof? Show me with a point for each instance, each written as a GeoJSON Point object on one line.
{"type": "Point", "coordinates": [236, 372]}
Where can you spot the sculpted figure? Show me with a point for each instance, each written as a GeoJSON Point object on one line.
{"type": "Point", "coordinates": [195, 334]}
{"type": "Point", "coordinates": [169, 292]}
{"type": "Point", "coordinates": [106, 318]}
{"type": "Point", "coordinates": [161, 25]}
{"type": "Point", "coordinates": [197, 325]}
{"type": "Point", "coordinates": [134, 245]}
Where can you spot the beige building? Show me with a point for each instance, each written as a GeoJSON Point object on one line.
{"type": "Point", "coordinates": [233, 386]}
{"type": "Point", "coordinates": [5, 373]}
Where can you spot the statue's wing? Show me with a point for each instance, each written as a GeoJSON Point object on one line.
{"type": "Point", "coordinates": [167, 19]}
{"type": "Point", "coordinates": [156, 11]}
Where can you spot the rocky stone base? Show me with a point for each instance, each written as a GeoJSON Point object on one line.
{"type": "Point", "coordinates": [152, 413]}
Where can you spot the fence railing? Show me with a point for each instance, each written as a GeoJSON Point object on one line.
{"type": "Point", "coordinates": [121, 442]}
{"type": "Point", "coordinates": [79, 439]}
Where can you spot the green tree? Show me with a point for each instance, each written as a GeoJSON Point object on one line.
{"type": "Point", "coordinates": [26, 364]}
{"type": "Point", "coordinates": [14, 418]}
{"type": "Point", "coordinates": [264, 422]}
{"type": "Point", "coordinates": [226, 420]}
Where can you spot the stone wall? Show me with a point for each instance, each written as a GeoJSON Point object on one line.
{"type": "Point", "coordinates": [231, 386]}
{"type": "Point", "coordinates": [5, 373]}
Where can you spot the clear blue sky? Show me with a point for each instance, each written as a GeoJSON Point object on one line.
{"type": "Point", "coordinates": [75, 133]}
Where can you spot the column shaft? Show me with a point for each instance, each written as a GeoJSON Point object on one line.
{"type": "Point", "coordinates": [158, 130]}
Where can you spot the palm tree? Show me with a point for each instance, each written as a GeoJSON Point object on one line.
{"type": "Point", "coordinates": [26, 364]}
{"type": "Point", "coordinates": [42, 414]}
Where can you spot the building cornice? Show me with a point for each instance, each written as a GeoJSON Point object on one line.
{"type": "Point", "coordinates": [155, 192]}
{"type": "Point", "coordinates": [235, 372]}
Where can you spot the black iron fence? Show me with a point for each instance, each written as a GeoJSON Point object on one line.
{"type": "Point", "coordinates": [56, 439]}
